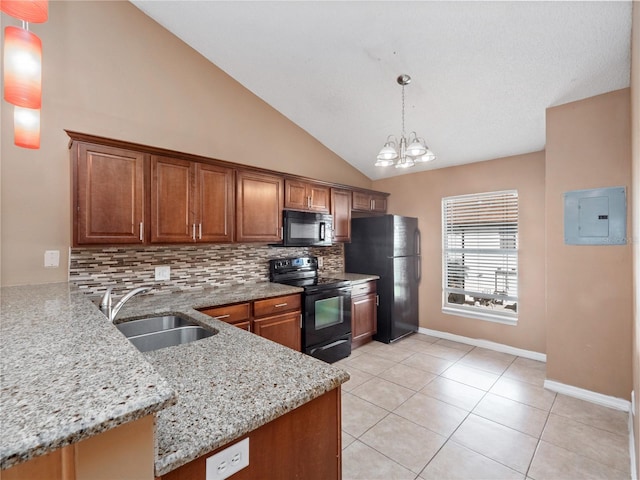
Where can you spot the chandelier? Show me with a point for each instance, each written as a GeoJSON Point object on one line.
{"type": "Point", "coordinates": [406, 152]}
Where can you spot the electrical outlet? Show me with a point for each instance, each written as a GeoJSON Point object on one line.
{"type": "Point", "coordinates": [229, 461]}
{"type": "Point", "coordinates": [163, 273]}
{"type": "Point", "coordinates": [52, 258]}
{"type": "Point", "coordinates": [320, 262]}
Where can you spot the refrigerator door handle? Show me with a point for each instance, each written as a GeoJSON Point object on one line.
{"type": "Point", "coordinates": [418, 268]}
{"type": "Point", "coordinates": [418, 240]}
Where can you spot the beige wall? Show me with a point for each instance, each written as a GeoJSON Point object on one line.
{"type": "Point", "coordinates": [589, 294]}
{"type": "Point", "coordinates": [635, 153]}
{"type": "Point", "coordinates": [420, 194]}
{"type": "Point", "coordinates": [109, 70]}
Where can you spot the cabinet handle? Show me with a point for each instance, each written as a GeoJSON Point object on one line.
{"type": "Point", "coordinates": [378, 300]}
{"type": "Point", "coordinates": [301, 321]}
{"type": "Point", "coordinates": [141, 232]}
{"type": "Point", "coordinates": [308, 202]}
{"type": "Point", "coordinates": [371, 204]}
{"type": "Point", "coordinates": [199, 231]}
{"type": "Point", "coordinates": [281, 305]}
{"type": "Point", "coordinates": [220, 317]}
{"type": "Point", "coordinates": [193, 231]}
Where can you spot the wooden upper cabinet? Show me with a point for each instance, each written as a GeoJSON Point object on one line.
{"type": "Point", "coordinates": [215, 203]}
{"type": "Point", "coordinates": [172, 202]}
{"type": "Point", "coordinates": [190, 201]}
{"type": "Point", "coordinates": [307, 196]}
{"type": "Point", "coordinates": [108, 195]}
{"type": "Point", "coordinates": [341, 211]}
{"type": "Point", "coordinates": [259, 204]}
{"type": "Point", "coordinates": [369, 202]}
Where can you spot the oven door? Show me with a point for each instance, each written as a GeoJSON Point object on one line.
{"type": "Point", "coordinates": [327, 316]}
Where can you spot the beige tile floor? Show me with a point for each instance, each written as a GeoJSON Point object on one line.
{"type": "Point", "coordinates": [427, 408]}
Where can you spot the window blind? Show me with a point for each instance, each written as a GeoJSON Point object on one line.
{"type": "Point", "coordinates": [480, 253]}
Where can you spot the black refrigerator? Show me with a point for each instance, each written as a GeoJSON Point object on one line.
{"type": "Point", "coordinates": [389, 246]}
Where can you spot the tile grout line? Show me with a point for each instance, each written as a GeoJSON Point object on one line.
{"type": "Point", "coordinates": [535, 450]}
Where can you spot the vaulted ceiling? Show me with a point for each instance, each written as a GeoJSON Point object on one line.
{"type": "Point", "coordinates": [483, 73]}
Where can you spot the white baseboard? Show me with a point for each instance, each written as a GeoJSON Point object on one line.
{"type": "Point", "coordinates": [588, 395]}
{"type": "Point", "coordinates": [498, 347]}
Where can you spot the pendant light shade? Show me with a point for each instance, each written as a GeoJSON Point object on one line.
{"type": "Point", "coordinates": [26, 127]}
{"type": "Point", "coordinates": [33, 11]}
{"type": "Point", "coordinates": [22, 68]}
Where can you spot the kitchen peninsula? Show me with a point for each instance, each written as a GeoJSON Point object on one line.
{"type": "Point", "coordinates": [69, 376]}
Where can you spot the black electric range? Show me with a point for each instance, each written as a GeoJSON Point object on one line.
{"type": "Point", "coordinates": [326, 312]}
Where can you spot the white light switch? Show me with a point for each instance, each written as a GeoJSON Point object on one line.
{"type": "Point", "coordinates": [52, 258]}
{"type": "Point", "coordinates": [163, 273]}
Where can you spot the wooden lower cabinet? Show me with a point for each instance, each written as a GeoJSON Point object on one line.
{"type": "Point", "coordinates": [302, 444]}
{"type": "Point", "coordinates": [277, 318]}
{"type": "Point", "coordinates": [283, 329]}
{"type": "Point", "coordinates": [364, 313]}
{"type": "Point", "coordinates": [238, 314]}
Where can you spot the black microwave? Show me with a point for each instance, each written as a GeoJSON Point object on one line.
{"type": "Point", "coordinates": [306, 229]}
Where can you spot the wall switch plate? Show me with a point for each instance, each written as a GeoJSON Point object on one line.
{"type": "Point", "coordinates": [52, 258]}
{"type": "Point", "coordinates": [229, 461]}
{"type": "Point", "coordinates": [163, 273]}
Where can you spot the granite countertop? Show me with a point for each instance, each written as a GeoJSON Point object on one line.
{"type": "Point", "coordinates": [227, 385]}
{"type": "Point", "coordinates": [67, 374]}
{"type": "Point", "coordinates": [354, 278]}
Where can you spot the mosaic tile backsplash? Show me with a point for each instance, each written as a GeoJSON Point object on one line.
{"type": "Point", "coordinates": [192, 266]}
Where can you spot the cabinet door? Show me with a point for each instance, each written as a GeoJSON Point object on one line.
{"type": "Point", "coordinates": [341, 211]}
{"type": "Point", "coordinates": [379, 203]}
{"type": "Point", "coordinates": [109, 195]}
{"type": "Point", "coordinates": [319, 197]}
{"type": "Point", "coordinates": [283, 329]}
{"type": "Point", "coordinates": [172, 201]}
{"type": "Point", "coordinates": [306, 196]}
{"type": "Point", "coordinates": [364, 313]}
{"type": "Point", "coordinates": [259, 199]}
{"type": "Point", "coordinates": [215, 203]}
{"type": "Point", "coordinates": [295, 196]}
{"type": "Point", "coordinates": [361, 201]}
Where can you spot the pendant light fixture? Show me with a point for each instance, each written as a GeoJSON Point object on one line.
{"type": "Point", "coordinates": [33, 11]}
{"type": "Point", "coordinates": [26, 127]}
{"type": "Point", "coordinates": [22, 69]}
{"type": "Point", "coordinates": [406, 152]}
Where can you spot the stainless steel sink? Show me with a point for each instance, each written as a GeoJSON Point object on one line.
{"type": "Point", "coordinates": [153, 333]}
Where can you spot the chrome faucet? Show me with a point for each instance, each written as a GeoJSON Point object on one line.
{"type": "Point", "coordinates": [106, 303]}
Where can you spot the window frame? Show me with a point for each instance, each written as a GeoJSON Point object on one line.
{"type": "Point", "coordinates": [509, 247]}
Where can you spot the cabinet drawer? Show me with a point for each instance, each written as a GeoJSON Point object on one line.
{"type": "Point", "coordinates": [229, 313]}
{"type": "Point", "coordinates": [363, 288]}
{"type": "Point", "coordinates": [273, 306]}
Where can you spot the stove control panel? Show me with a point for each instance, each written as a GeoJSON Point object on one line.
{"type": "Point", "coordinates": [293, 264]}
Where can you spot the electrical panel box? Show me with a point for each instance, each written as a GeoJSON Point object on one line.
{"type": "Point", "coordinates": [595, 217]}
